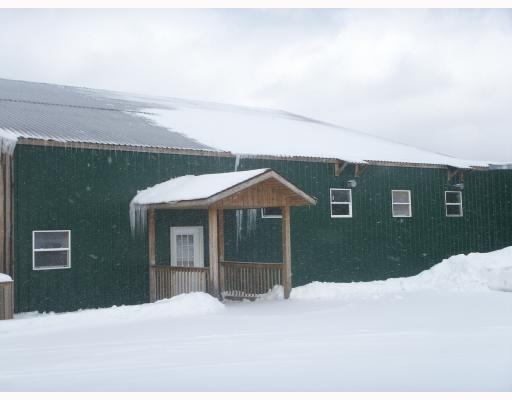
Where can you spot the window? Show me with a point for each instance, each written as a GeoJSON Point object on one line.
{"type": "Point", "coordinates": [271, 212]}
{"type": "Point", "coordinates": [51, 249]}
{"type": "Point", "coordinates": [453, 204]}
{"type": "Point", "coordinates": [401, 200]}
{"type": "Point", "coordinates": [341, 203]}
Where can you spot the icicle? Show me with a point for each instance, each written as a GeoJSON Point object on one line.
{"type": "Point", "coordinates": [237, 162]}
{"type": "Point", "coordinates": [239, 220]}
{"type": "Point", "coordinates": [138, 217]}
{"type": "Point", "coordinates": [8, 140]}
{"type": "Point", "coordinates": [251, 220]}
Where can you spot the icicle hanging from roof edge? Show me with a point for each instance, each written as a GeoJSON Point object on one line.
{"type": "Point", "coordinates": [252, 215]}
{"type": "Point", "coordinates": [8, 141]}
{"type": "Point", "coordinates": [138, 217]}
{"type": "Point", "coordinates": [239, 222]}
{"type": "Point", "coordinates": [237, 162]}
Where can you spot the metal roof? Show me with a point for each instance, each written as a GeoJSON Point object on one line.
{"type": "Point", "coordinates": [65, 114]}
{"type": "Point", "coordinates": [68, 114]}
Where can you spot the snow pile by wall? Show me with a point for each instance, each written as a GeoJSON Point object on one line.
{"type": "Point", "coordinates": [184, 305]}
{"type": "Point", "coordinates": [5, 278]}
{"type": "Point", "coordinates": [196, 303]}
{"type": "Point", "coordinates": [472, 272]}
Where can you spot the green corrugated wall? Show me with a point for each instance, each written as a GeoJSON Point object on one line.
{"type": "Point", "coordinates": [88, 191]}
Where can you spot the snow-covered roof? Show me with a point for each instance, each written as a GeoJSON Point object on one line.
{"type": "Point", "coordinates": [70, 114]}
{"type": "Point", "coordinates": [5, 278]}
{"type": "Point", "coordinates": [193, 187]}
{"type": "Point", "coordinates": [209, 187]}
{"type": "Point", "coordinates": [205, 191]}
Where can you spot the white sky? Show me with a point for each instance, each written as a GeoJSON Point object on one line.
{"type": "Point", "coordinates": [438, 79]}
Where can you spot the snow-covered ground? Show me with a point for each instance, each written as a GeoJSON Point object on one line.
{"type": "Point", "coordinates": [445, 329]}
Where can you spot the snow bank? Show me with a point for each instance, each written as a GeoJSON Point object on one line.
{"type": "Point", "coordinates": [196, 303]}
{"type": "Point", "coordinates": [276, 293]}
{"type": "Point", "coordinates": [464, 273]}
{"type": "Point", "coordinates": [188, 304]}
{"type": "Point", "coordinates": [183, 305]}
{"type": "Point", "coordinates": [5, 278]}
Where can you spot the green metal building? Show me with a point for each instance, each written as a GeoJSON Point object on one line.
{"type": "Point", "coordinates": [72, 160]}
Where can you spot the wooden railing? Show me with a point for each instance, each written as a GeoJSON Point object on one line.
{"type": "Point", "coordinates": [248, 280]}
{"type": "Point", "coordinates": [167, 281]}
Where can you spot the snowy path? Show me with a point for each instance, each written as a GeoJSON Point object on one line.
{"type": "Point", "coordinates": [412, 341]}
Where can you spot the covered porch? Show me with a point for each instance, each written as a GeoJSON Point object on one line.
{"type": "Point", "coordinates": [214, 193]}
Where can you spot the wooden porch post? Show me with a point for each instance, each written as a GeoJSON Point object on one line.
{"type": "Point", "coordinates": [213, 248]}
{"type": "Point", "coordinates": [220, 219]}
{"type": "Point", "coordinates": [152, 254]}
{"type": "Point", "coordinates": [287, 252]}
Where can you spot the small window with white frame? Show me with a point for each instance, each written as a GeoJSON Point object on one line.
{"type": "Point", "coordinates": [453, 203]}
{"type": "Point", "coordinates": [401, 203]}
{"type": "Point", "coordinates": [51, 249]}
{"type": "Point", "coordinates": [341, 203]}
{"type": "Point", "coordinates": [271, 212]}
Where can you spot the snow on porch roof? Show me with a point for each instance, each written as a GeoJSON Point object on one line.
{"type": "Point", "coordinates": [205, 187]}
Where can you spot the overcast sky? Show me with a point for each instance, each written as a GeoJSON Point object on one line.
{"type": "Point", "coordinates": [438, 79]}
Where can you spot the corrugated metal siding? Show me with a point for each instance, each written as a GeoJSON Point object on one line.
{"type": "Point", "coordinates": [88, 191]}
{"type": "Point", "coordinates": [372, 244]}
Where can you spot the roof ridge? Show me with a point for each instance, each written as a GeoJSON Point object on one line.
{"type": "Point", "coordinates": [71, 105]}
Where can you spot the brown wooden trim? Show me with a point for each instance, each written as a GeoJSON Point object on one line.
{"type": "Point", "coordinates": [9, 248]}
{"type": "Point", "coordinates": [249, 280]}
{"type": "Point", "coordinates": [339, 167]}
{"type": "Point", "coordinates": [236, 264]}
{"type": "Point", "coordinates": [6, 300]}
{"type": "Point", "coordinates": [359, 169]}
{"type": "Point", "coordinates": [452, 173]}
{"type": "Point", "coordinates": [152, 254]}
{"type": "Point", "coordinates": [220, 218]}
{"type": "Point", "coordinates": [182, 269]}
{"type": "Point", "coordinates": [121, 147]}
{"type": "Point", "coordinates": [213, 248]}
{"type": "Point", "coordinates": [6, 215]}
{"type": "Point", "coordinates": [3, 214]}
{"type": "Point", "coordinates": [165, 150]}
{"type": "Point", "coordinates": [216, 200]}
{"type": "Point", "coordinates": [259, 179]}
{"type": "Point", "coordinates": [171, 281]}
{"type": "Point", "coordinates": [287, 252]}
{"type": "Point", "coordinates": [397, 164]}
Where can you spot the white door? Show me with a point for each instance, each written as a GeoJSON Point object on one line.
{"type": "Point", "coordinates": [187, 246]}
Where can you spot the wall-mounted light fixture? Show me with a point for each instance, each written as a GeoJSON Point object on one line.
{"type": "Point", "coordinates": [351, 183]}
{"type": "Point", "coordinates": [459, 186]}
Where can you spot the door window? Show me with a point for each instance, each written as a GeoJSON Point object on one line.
{"type": "Point", "coordinates": [187, 246]}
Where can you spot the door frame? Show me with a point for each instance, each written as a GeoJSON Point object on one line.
{"type": "Point", "coordinates": [197, 232]}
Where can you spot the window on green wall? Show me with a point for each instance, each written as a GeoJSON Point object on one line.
{"type": "Point", "coordinates": [401, 200]}
{"type": "Point", "coordinates": [51, 249]}
{"type": "Point", "coordinates": [341, 203]}
{"type": "Point", "coordinates": [453, 203]}
{"type": "Point", "coordinates": [271, 212]}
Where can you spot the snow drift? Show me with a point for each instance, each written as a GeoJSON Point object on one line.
{"type": "Point", "coordinates": [183, 305]}
{"type": "Point", "coordinates": [464, 273]}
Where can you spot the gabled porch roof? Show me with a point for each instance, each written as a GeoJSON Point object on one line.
{"type": "Point", "coordinates": [242, 189]}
